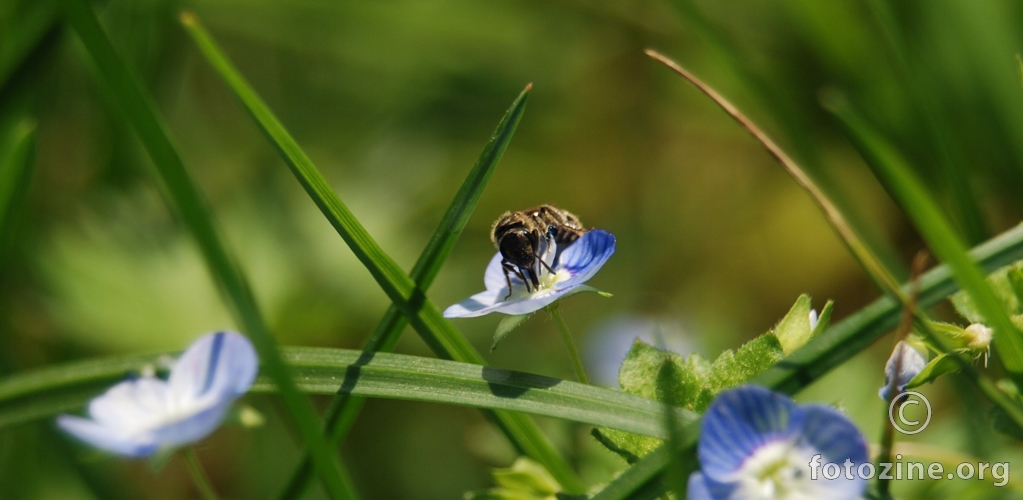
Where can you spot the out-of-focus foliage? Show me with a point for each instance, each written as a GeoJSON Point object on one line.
{"type": "Point", "coordinates": [393, 101]}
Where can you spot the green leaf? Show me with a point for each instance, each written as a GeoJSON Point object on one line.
{"type": "Point", "coordinates": [524, 480]}
{"type": "Point", "coordinates": [904, 186]}
{"type": "Point", "coordinates": [794, 329]}
{"type": "Point", "coordinates": [506, 325]}
{"type": "Point", "coordinates": [692, 384]}
{"type": "Point", "coordinates": [422, 314]}
{"type": "Point", "coordinates": [194, 212]}
{"type": "Point", "coordinates": [752, 359]}
{"type": "Point", "coordinates": [939, 365]}
{"type": "Point", "coordinates": [823, 319]}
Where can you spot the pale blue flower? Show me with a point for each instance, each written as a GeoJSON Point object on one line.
{"type": "Point", "coordinates": [137, 417]}
{"type": "Point", "coordinates": [572, 266]}
{"type": "Point", "coordinates": [756, 444]}
{"type": "Point", "coordinates": [908, 361]}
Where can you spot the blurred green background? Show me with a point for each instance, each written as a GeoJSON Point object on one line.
{"type": "Point", "coordinates": [393, 101]}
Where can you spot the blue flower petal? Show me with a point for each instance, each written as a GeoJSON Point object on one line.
{"type": "Point", "coordinates": [108, 437]}
{"type": "Point", "coordinates": [832, 434]}
{"type": "Point", "coordinates": [586, 256]}
{"type": "Point", "coordinates": [477, 305]}
{"type": "Point", "coordinates": [194, 428]}
{"type": "Point", "coordinates": [738, 422]}
{"type": "Point", "coordinates": [222, 365]}
{"type": "Point", "coordinates": [911, 362]}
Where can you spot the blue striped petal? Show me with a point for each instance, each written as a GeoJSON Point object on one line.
{"type": "Point", "coordinates": [739, 422]}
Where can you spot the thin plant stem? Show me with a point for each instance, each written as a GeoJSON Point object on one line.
{"type": "Point", "coordinates": [201, 481]}
{"type": "Point", "coordinates": [580, 372]}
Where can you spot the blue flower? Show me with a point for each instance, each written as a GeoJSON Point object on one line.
{"type": "Point", "coordinates": [908, 361]}
{"type": "Point", "coordinates": [135, 418]}
{"type": "Point", "coordinates": [755, 444]}
{"type": "Point", "coordinates": [571, 266]}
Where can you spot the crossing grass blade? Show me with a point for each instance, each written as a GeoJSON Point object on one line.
{"type": "Point", "coordinates": [196, 216]}
{"type": "Point", "coordinates": [898, 178]}
{"type": "Point", "coordinates": [344, 408]}
{"type": "Point", "coordinates": [422, 314]}
{"type": "Point", "coordinates": [53, 389]}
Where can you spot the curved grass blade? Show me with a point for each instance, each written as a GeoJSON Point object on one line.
{"type": "Point", "coordinates": [16, 160]}
{"type": "Point", "coordinates": [875, 269]}
{"type": "Point", "coordinates": [424, 317]}
{"type": "Point", "coordinates": [53, 389]}
{"type": "Point", "coordinates": [142, 115]}
{"type": "Point", "coordinates": [904, 186]}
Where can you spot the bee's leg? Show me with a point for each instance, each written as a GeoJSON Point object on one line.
{"type": "Point", "coordinates": [544, 264]}
{"type": "Point", "coordinates": [506, 267]}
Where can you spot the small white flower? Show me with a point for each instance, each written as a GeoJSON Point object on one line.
{"type": "Point", "coordinates": [813, 319]}
{"type": "Point", "coordinates": [980, 337]}
{"type": "Point", "coordinates": [135, 418]}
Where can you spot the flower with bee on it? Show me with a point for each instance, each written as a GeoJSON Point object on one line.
{"type": "Point", "coordinates": [559, 270]}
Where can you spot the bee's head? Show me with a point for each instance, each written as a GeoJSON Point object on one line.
{"type": "Point", "coordinates": [517, 247]}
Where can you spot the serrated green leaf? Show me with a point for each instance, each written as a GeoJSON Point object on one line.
{"type": "Point", "coordinates": [506, 325]}
{"type": "Point", "coordinates": [752, 359]}
{"type": "Point", "coordinates": [692, 385]}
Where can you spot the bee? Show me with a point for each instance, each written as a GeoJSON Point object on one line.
{"type": "Point", "coordinates": [518, 236]}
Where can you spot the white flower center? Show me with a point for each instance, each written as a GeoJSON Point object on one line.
{"type": "Point", "coordinates": [779, 471]}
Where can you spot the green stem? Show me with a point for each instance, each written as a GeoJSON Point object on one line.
{"type": "Point", "coordinates": [580, 372]}
{"type": "Point", "coordinates": [201, 481]}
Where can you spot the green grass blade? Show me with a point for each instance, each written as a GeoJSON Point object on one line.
{"type": "Point", "coordinates": [344, 408]}
{"type": "Point", "coordinates": [50, 390]}
{"type": "Point", "coordinates": [34, 22]}
{"type": "Point", "coordinates": [900, 181]}
{"type": "Point", "coordinates": [16, 160]}
{"type": "Point", "coordinates": [644, 480]}
{"type": "Point", "coordinates": [424, 317]}
{"type": "Point", "coordinates": [918, 89]}
{"type": "Point", "coordinates": [142, 115]}
{"type": "Point", "coordinates": [859, 249]}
